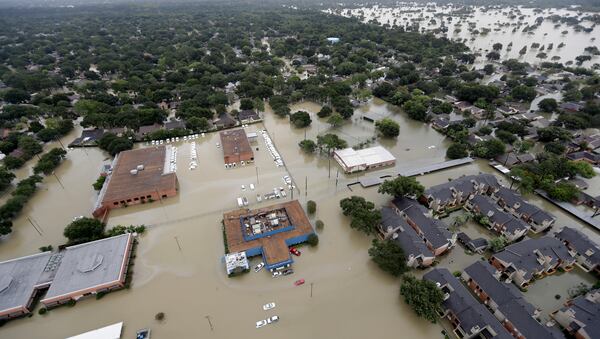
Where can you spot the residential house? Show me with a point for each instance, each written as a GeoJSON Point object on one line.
{"type": "Point", "coordinates": [453, 194]}
{"type": "Point", "coordinates": [506, 303]}
{"type": "Point", "coordinates": [586, 252]}
{"type": "Point", "coordinates": [513, 203]}
{"type": "Point", "coordinates": [395, 228]}
{"type": "Point", "coordinates": [580, 317]}
{"type": "Point", "coordinates": [468, 317]}
{"type": "Point", "coordinates": [591, 158]}
{"type": "Point", "coordinates": [143, 131]}
{"type": "Point", "coordinates": [532, 258]}
{"type": "Point", "coordinates": [248, 116]}
{"type": "Point", "coordinates": [433, 231]}
{"type": "Point", "coordinates": [498, 221]}
{"type": "Point", "coordinates": [475, 245]}
{"type": "Point", "coordinates": [225, 121]}
{"type": "Point", "coordinates": [571, 106]}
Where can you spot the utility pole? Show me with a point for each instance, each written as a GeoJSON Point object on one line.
{"type": "Point", "coordinates": [178, 245]}
{"type": "Point", "coordinates": [57, 179]}
{"type": "Point", "coordinates": [329, 160]}
{"type": "Point", "coordinates": [311, 287]}
{"type": "Point", "coordinates": [209, 322]}
{"type": "Point", "coordinates": [35, 228]}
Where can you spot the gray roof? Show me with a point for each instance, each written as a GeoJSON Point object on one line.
{"type": "Point", "coordinates": [511, 198]}
{"type": "Point", "coordinates": [486, 206]}
{"type": "Point", "coordinates": [523, 256]}
{"type": "Point", "coordinates": [510, 302]}
{"type": "Point", "coordinates": [89, 265]}
{"type": "Point", "coordinates": [580, 243]}
{"type": "Point", "coordinates": [434, 230]}
{"type": "Point", "coordinates": [462, 184]}
{"type": "Point", "coordinates": [18, 278]}
{"type": "Point", "coordinates": [587, 312]}
{"type": "Point", "coordinates": [463, 305]}
{"type": "Point", "coordinates": [407, 238]}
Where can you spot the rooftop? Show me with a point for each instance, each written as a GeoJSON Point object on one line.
{"type": "Point", "coordinates": [235, 142]}
{"type": "Point", "coordinates": [18, 279]}
{"type": "Point", "coordinates": [367, 156]}
{"type": "Point", "coordinates": [90, 265]}
{"type": "Point", "coordinates": [154, 176]}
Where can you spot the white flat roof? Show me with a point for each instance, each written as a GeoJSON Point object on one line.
{"type": "Point", "coordinates": [368, 156]}
{"type": "Point", "coordinates": [109, 332]}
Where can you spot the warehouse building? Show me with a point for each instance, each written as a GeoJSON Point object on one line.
{"type": "Point", "coordinates": [364, 159]}
{"type": "Point", "coordinates": [236, 147]}
{"type": "Point", "coordinates": [138, 176]}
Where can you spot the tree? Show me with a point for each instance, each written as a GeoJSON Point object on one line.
{"type": "Point", "coordinates": [388, 127]}
{"type": "Point", "coordinates": [324, 112]}
{"type": "Point", "coordinates": [457, 151]}
{"type": "Point", "coordinates": [49, 161]}
{"type": "Point", "coordinates": [84, 230]}
{"type": "Point", "coordinates": [497, 244]}
{"type": "Point", "coordinates": [311, 207]}
{"type": "Point", "coordinates": [313, 239]}
{"type": "Point", "coordinates": [489, 149]}
{"type": "Point", "coordinates": [553, 133]}
{"type": "Point", "coordinates": [563, 191]}
{"type": "Point", "coordinates": [365, 217]}
{"type": "Point", "coordinates": [330, 142]}
{"type": "Point", "coordinates": [402, 187]}
{"type": "Point", "coordinates": [246, 104]}
{"type": "Point", "coordinates": [506, 136]}
{"type": "Point", "coordinates": [423, 296]}
{"type": "Point", "coordinates": [489, 69]}
{"type": "Point", "coordinates": [300, 119]}
{"type": "Point", "coordinates": [493, 55]}
{"type": "Point", "coordinates": [415, 110]}
{"type": "Point", "coordinates": [497, 46]}
{"type": "Point", "coordinates": [335, 120]}
{"type": "Point", "coordinates": [523, 92]}
{"type": "Point", "coordinates": [197, 124]}
{"type": "Point", "coordinates": [555, 147]}
{"type": "Point", "coordinates": [523, 50]}
{"type": "Point", "coordinates": [6, 177]}
{"type": "Point", "coordinates": [583, 168]}
{"type": "Point", "coordinates": [308, 146]}
{"type": "Point", "coordinates": [389, 256]}
{"type": "Point", "coordinates": [16, 96]}
{"type": "Point", "coordinates": [548, 105]}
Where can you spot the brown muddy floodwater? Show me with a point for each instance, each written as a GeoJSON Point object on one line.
{"type": "Point", "coordinates": [351, 297]}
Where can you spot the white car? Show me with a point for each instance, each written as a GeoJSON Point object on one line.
{"type": "Point", "coordinates": [273, 319]}
{"type": "Point", "coordinates": [218, 145]}
{"type": "Point", "coordinates": [268, 306]}
{"type": "Point", "coordinates": [243, 187]}
{"type": "Point", "coordinates": [252, 187]}
{"type": "Point", "coordinates": [261, 323]}
{"type": "Point", "coordinates": [276, 274]}
{"type": "Point", "coordinates": [259, 267]}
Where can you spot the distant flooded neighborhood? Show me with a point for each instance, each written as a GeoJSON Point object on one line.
{"type": "Point", "coordinates": [341, 170]}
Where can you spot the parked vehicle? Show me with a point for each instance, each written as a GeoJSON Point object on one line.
{"type": "Point", "coordinates": [252, 187]}
{"type": "Point", "coordinates": [273, 319]}
{"type": "Point", "coordinates": [299, 282]}
{"type": "Point", "coordinates": [276, 274]}
{"type": "Point", "coordinates": [240, 202]}
{"type": "Point", "coordinates": [259, 267]}
{"type": "Point", "coordinates": [288, 272]}
{"type": "Point", "coordinates": [243, 187]}
{"type": "Point", "coordinates": [268, 306]}
{"type": "Point", "coordinates": [261, 323]}
{"type": "Point", "coordinates": [143, 334]}
{"type": "Point", "coordinates": [258, 198]}
{"type": "Point", "coordinates": [295, 251]}
{"type": "Point", "coordinates": [245, 201]}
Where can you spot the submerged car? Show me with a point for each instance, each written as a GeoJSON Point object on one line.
{"type": "Point", "coordinates": [273, 319]}
{"type": "Point", "coordinates": [295, 251]}
{"type": "Point", "coordinates": [259, 267]}
{"type": "Point", "coordinates": [261, 323]}
{"type": "Point", "coordinates": [299, 282]}
{"type": "Point", "coordinates": [268, 306]}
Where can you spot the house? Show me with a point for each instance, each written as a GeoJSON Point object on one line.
{"type": "Point", "coordinates": [433, 231]}
{"type": "Point", "coordinates": [453, 194]}
{"type": "Point", "coordinates": [440, 123]}
{"type": "Point", "coordinates": [513, 203]}
{"type": "Point", "coordinates": [498, 221]}
{"type": "Point", "coordinates": [395, 228]}
{"type": "Point", "coordinates": [506, 303]}
{"type": "Point", "coordinates": [144, 131]}
{"type": "Point", "coordinates": [174, 124]}
{"type": "Point", "coordinates": [468, 317]}
{"type": "Point", "coordinates": [89, 137]}
{"type": "Point", "coordinates": [591, 158]}
{"type": "Point", "coordinates": [248, 116]}
{"type": "Point", "coordinates": [532, 258]}
{"type": "Point", "coordinates": [225, 121]}
{"type": "Point", "coordinates": [571, 106]}
{"type": "Point", "coordinates": [580, 317]}
{"type": "Point", "coordinates": [475, 245]}
{"type": "Point", "coordinates": [587, 252]}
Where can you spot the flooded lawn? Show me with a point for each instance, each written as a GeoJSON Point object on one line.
{"type": "Point", "coordinates": [179, 269]}
{"type": "Point", "coordinates": [479, 28]}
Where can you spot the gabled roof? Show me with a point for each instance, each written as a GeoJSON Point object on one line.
{"type": "Point", "coordinates": [406, 237]}
{"type": "Point", "coordinates": [433, 230]}
{"type": "Point", "coordinates": [580, 243]}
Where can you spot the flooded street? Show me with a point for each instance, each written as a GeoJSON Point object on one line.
{"type": "Point", "coordinates": [178, 267]}
{"type": "Point", "coordinates": [481, 28]}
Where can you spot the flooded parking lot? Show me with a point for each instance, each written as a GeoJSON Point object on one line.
{"type": "Point", "coordinates": [179, 269]}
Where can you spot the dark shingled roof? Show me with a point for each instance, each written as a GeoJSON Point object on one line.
{"type": "Point", "coordinates": [580, 243]}
{"type": "Point", "coordinates": [464, 306]}
{"type": "Point", "coordinates": [462, 184]}
{"type": "Point", "coordinates": [586, 309]}
{"type": "Point", "coordinates": [486, 206]}
{"type": "Point", "coordinates": [407, 238]}
{"type": "Point", "coordinates": [510, 302]}
{"type": "Point", "coordinates": [433, 230]}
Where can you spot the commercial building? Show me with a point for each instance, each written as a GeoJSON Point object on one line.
{"type": "Point", "coordinates": [236, 147]}
{"type": "Point", "coordinates": [21, 280]}
{"type": "Point", "coordinates": [364, 159]}
{"type": "Point", "coordinates": [138, 176]}
{"type": "Point", "coordinates": [71, 274]}
{"type": "Point", "coordinates": [469, 318]}
{"type": "Point", "coordinates": [580, 317]}
{"type": "Point", "coordinates": [267, 231]}
{"type": "Point", "coordinates": [506, 303]}
{"type": "Point", "coordinates": [532, 258]}
{"type": "Point", "coordinates": [90, 268]}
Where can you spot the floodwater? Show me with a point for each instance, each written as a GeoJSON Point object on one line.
{"type": "Point", "coordinates": [505, 25]}
{"type": "Point", "coordinates": [179, 271]}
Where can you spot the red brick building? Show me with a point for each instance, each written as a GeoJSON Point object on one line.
{"type": "Point", "coordinates": [236, 147]}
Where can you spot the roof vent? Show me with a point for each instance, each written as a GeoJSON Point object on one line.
{"type": "Point", "coordinates": [90, 263]}
{"type": "Point", "coordinates": [5, 281]}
